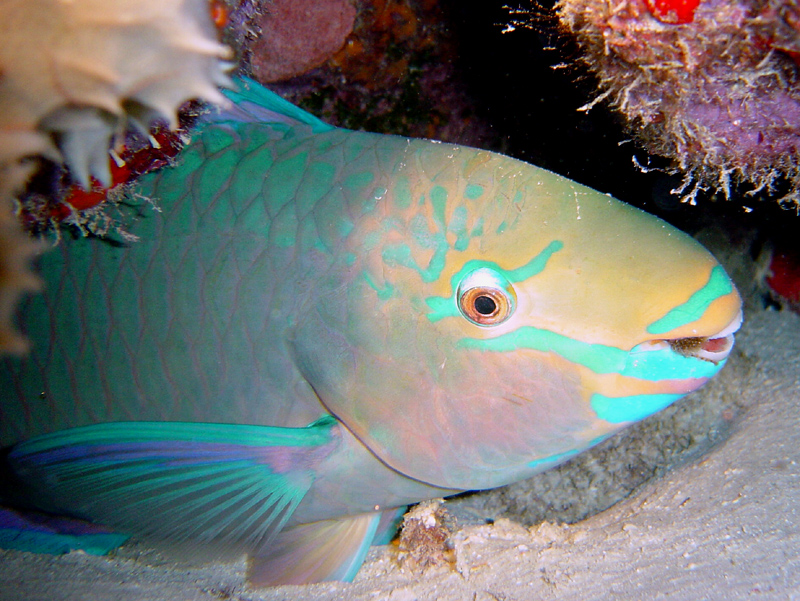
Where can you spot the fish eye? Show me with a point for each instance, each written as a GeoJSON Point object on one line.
{"type": "Point", "coordinates": [486, 298]}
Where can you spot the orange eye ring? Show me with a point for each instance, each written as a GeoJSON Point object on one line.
{"type": "Point", "coordinates": [486, 298]}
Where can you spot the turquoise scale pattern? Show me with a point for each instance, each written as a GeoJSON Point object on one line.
{"type": "Point", "coordinates": [202, 286]}
{"type": "Point", "coordinates": [191, 322]}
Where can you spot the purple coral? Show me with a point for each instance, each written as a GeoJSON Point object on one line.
{"type": "Point", "coordinates": [718, 94]}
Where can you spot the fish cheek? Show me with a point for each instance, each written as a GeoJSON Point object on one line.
{"type": "Point", "coordinates": [433, 410]}
{"type": "Point", "coordinates": [467, 422]}
{"type": "Point", "coordinates": [325, 358]}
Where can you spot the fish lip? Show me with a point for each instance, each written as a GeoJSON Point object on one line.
{"type": "Point", "coordinates": [714, 348]}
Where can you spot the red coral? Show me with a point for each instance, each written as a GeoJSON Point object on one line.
{"type": "Point", "coordinates": [785, 277]}
{"type": "Point", "coordinates": [673, 11]}
{"type": "Point", "coordinates": [164, 146]}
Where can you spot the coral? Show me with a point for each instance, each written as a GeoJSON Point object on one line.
{"type": "Point", "coordinates": [299, 35]}
{"type": "Point", "coordinates": [395, 74]}
{"type": "Point", "coordinates": [137, 157]}
{"type": "Point", "coordinates": [16, 251]}
{"type": "Point", "coordinates": [673, 11]}
{"type": "Point", "coordinates": [712, 85]}
{"type": "Point", "coordinates": [73, 77]}
{"type": "Point", "coordinates": [783, 278]}
{"type": "Point", "coordinates": [80, 71]}
{"type": "Point", "coordinates": [425, 537]}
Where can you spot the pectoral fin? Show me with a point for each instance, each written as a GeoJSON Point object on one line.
{"type": "Point", "coordinates": [326, 550]}
{"type": "Point", "coordinates": [229, 486]}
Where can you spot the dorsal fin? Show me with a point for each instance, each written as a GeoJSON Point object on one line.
{"type": "Point", "coordinates": [253, 102]}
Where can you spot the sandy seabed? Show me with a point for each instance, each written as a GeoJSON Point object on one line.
{"type": "Point", "coordinates": [725, 525]}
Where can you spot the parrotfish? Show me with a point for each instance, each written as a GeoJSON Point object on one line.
{"type": "Point", "coordinates": [319, 327]}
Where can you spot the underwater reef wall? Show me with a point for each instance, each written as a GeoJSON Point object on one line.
{"type": "Point", "coordinates": [74, 76]}
{"type": "Point", "coordinates": [713, 85]}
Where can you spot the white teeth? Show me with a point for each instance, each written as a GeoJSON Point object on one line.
{"type": "Point", "coordinates": [697, 347]}
{"type": "Point", "coordinates": [727, 334]}
{"type": "Point", "coordinates": [716, 356]}
{"type": "Point", "coordinates": [730, 328]}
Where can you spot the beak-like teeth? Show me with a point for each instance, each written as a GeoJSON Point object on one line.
{"type": "Point", "coordinates": [714, 348]}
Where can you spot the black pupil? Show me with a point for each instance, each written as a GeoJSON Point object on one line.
{"type": "Point", "coordinates": [485, 305]}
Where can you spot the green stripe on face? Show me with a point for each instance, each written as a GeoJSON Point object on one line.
{"type": "Point", "coordinates": [630, 408]}
{"type": "Point", "coordinates": [447, 306]}
{"type": "Point", "coordinates": [557, 458]}
{"type": "Point", "coordinates": [719, 284]}
{"type": "Point", "coordinates": [654, 366]}
{"type": "Point", "coordinates": [552, 460]}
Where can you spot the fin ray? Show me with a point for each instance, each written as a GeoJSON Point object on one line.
{"type": "Point", "coordinates": [235, 486]}
{"type": "Point", "coordinates": [316, 552]}
{"type": "Point", "coordinates": [252, 102]}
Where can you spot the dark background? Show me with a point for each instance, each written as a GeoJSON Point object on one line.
{"type": "Point", "coordinates": [532, 107]}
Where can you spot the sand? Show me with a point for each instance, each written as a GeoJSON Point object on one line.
{"type": "Point", "coordinates": [722, 525]}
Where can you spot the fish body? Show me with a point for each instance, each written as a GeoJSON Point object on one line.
{"type": "Point", "coordinates": [320, 326]}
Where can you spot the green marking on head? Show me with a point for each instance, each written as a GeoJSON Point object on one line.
{"type": "Point", "coordinates": [536, 265]}
{"type": "Point", "coordinates": [597, 357]}
{"type": "Point", "coordinates": [429, 232]}
{"type": "Point", "coordinates": [719, 284]}
{"type": "Point", "coordinates": [401, 254]}
{"type": "Point", "coordinates": [473, 191]}
{"type": "Point", "coordinates": [478, 229]}
{"type": "Point", "coordinates": [458, 225]}
{"type": "Point", "coordinates": [402, 192]}
{"type": "Point", "coordinates": [448, 306]}
{"type": "Point", "coordinates": [421, 233]}
{"type": "Point", "coordinates": [384, 293]}
{"type": "Point", "coordinates": [439, 203]}
{"type": "Point", "coordinates": [651, 365]}
{"type": "Point", "coordinates": [557, 458]}
{"type": "Point", "coordinates": [630, 408]}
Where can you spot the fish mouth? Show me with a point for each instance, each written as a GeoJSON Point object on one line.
{"type": "Point", "coordinates": [714, 349]}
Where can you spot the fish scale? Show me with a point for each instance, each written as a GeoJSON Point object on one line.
{"type": "Point", "coordinates": [292, 351]}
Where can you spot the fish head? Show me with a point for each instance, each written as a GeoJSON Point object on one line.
{"type": "Point", "coordinates": [483, 339]}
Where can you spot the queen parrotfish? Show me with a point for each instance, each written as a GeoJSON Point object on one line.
{"type": "Point", "coordinates": [319, 327]}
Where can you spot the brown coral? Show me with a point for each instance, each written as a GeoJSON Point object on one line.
{"type": "Point", "coordinates": [425, 537]}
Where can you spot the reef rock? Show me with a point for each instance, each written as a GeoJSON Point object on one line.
{"type": "Point", "coordinates": [713, 85]}
{"type": "Point", "coordinates": [299, 35]}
